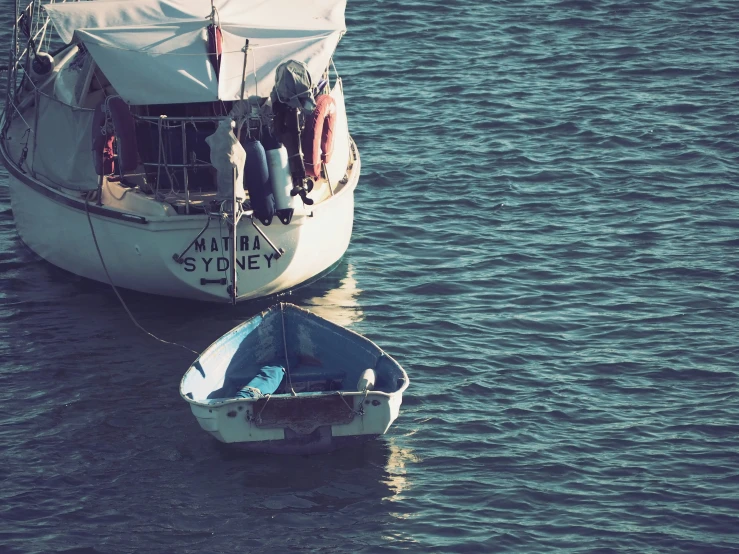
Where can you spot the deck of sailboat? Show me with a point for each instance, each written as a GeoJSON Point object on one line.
{"type": "Point", "coordinates": [19, 147]}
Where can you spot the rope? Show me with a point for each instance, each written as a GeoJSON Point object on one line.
{"type": "Point", "coordinates": [240, 51]}
{"type": "Point", "coordinates": [221, 218]}
{"type": "Point", "coordinates": [21, 116]}
{"type": "Point", "coordinates": [284, 345]}
{"type": "Point", "coordinates": [125, 192]}
{"type": "Point", "coordinates": [163, 158]}
{"type": "Point", "coordinates": [110, 280]}
{"type": "Point", "coordinates": [214, 14]}
{"type": "Point", "coordinates": [258, 418]}
{"type": "Point", "coordinates": [159, 159]}
{"type": "Point", "coordinates": [24, 152]}
{"type": "Point", "coordinates": [360, 411]}
{"type": "Point", "coordinates": [256, 79]}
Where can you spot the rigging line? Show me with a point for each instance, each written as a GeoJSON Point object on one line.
{"type": "Point", "coordinates": [110, 280]}
{"type": "Point", "coordinates": [284, 344]}
{"type": "Point", "coordinates": [21, 116]}
{"type": "Point", "coordinates": [223, 217]}
{"type": "Point", "coordinates": [125, 192]}
{"type": "Point", "coordinates": [214, 14]}
{"type": "Point", "coordinates": [40, 92]}
{"type": "Point", "coordinates": [220, 236]}
{"type": "Point", "coordinates": [40, 31]}
{"type": "Point", "coordinates": [256, 80]}
{"type": "Point", "coordinates": [159, 154]}
{"type": "Point", "coordinates": [164, 124]}
{"type": "Point", "coordinates": [257, 47]}
{"type": "Point", "coordinates": [360, 411]}
{"type": "Point", "coordinates": [99, 82]}
{"type": "Point", "coordinates": [258, 418]}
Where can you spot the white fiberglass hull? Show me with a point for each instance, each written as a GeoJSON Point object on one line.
{"type": "Point", "coordinates": [320, 386]}
{"type": "Point", "coordinates": [150, 233]}
{"type": "Point", "coordinates": [236, 421]}
{"type": "Point", "coordinates": [139, 251]}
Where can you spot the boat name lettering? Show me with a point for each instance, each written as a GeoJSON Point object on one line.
{"type": "Point", "coordinates": [250, 262]}
{"type": "Point", "coordinates": [245, 244]}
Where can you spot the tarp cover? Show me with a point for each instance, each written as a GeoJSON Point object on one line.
{"type": "Point", "coordinates": [155, 51]}
{"type": "Point", "coordinates": [294, 85]}
{"type": "Point", "coordinates": [57, 155]}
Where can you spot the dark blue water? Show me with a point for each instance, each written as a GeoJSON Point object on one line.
{"type": "Point", "coordinates": [547, 238]}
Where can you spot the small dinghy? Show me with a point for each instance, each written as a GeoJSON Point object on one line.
{"type": "Point", "coordinates": [289, 381]}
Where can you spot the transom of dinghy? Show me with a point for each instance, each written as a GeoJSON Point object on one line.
{"type": "Point", "coordinates": [302, 414]}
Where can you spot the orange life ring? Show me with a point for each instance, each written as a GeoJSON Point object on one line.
{"type": "Point", "coordinates": [122, 132]}
{"type": "Point", "coordinates": [318, 136]}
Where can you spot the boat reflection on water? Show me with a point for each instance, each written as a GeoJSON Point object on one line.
{"type": "Point", "coordinates": [396, 468]}
{"type": "Point", "coordinates": [369, 486]}
{"type": "Point", "coordinates": [340, 305]}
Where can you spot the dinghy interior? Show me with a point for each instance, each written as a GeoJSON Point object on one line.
{"type": "Point", "coordinates": [290, 376]}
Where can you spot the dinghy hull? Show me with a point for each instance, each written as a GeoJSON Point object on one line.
{"type": "Point", "coordinates": [312, 424]}
{"type": "Point", "coordinates": [319, 355]}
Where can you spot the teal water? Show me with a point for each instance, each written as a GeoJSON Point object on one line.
{"type": "Point", "coordinates": [545, 238]}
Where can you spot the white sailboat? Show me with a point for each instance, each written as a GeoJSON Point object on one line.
{"type": "Point", "coordinates": [184, 148]}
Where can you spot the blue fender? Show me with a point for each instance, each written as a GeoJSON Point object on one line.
{"type": "Point", "coordinates": [256, 180]}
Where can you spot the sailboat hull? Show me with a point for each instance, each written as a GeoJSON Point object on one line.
{"type": "Point", "coordinates": [139, 251]}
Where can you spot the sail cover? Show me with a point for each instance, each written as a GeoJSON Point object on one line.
{"type": "Point", "coordinates": [156, 51]}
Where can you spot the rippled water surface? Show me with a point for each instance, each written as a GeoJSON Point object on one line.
{"type": "Point", "coordinates": [546, 237]}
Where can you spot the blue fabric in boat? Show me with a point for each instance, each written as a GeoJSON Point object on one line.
{"type": "Point", "coordinates": [265, 382]}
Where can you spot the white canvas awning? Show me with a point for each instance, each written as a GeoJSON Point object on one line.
{"type": "Point", "coordinates": [155, 51]}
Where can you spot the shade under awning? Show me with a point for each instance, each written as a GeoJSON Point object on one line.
{"type": "Point", "coordinates": [155, 52]}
